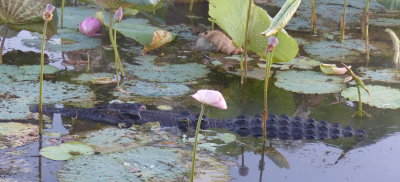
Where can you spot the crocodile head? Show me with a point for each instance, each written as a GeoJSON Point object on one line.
{"type": "Point", "coordinates": [126, 113]}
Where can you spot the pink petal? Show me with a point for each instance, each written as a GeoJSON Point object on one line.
{"type": "Point", "coordinates": [119, 15]}
{"type": "Point", "coordinates": [90, 26]}
{"type": "Point", "coordinates": [50, 8]}
{"type": "Point", "coordinates": [210, 97]}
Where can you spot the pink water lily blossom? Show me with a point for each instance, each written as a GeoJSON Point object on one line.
{"type": "Point", "coordinates": [119, 15]}
{"type": "Point", "coordinates": [90, 26]}
{"type": "Point", "coordinates": [48, 13]}
{"type": "Point", "coordinates": [210, 97]}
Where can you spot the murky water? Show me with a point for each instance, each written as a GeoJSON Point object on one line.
{"type": "Point", "coordinates": [373, 158]}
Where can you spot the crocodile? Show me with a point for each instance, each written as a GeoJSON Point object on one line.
{"type": "Point", "coordinates": [283, 127]}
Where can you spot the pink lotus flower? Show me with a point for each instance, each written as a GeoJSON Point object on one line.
{"type": "Point", "coordinates": [48, 13]}
{"type": "Point", "coordinates": [119, 15]}
{"type": "Point", "coordinates": [210, 97]}
{"type": "Point", "coordinates": [90, 26]}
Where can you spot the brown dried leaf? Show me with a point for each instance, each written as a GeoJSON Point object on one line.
{"type": "Point", "coordinates": [160, 38]}
{"type": "Point", "coordinates": [221, 41]}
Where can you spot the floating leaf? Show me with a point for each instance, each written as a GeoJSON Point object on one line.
{"type": "Point", "coordinates": [390, 4]}
{"type": "Point", "coordinates": [381, 75]}
{"type": "Point", "coordinates": [299, 62]}
{"type": "Point", "coordinates": [229, 15]}
{"type": "Point", "coordinates": [381, 96]}
{"type": "Point", "coordinates": [17, 134]}
{"type": "Point", "coordinates": [283, 17]}
{"type": "Point", "coordinates": [66, 151]}
{"type": "Point", "coordinates": [331, 69]}
{"type": "Point", "coordinates": [396, 46]}
{"type": "Point", "coordinates": [84, 78]}
{"type": "Point", "coordinates": [309, 82]}
{"type": "Point", "coordinates": [152, 89]}
{"type": "Point", "coordinates": [160, 38]}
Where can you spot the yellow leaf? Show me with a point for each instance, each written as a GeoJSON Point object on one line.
{"type": "Point", "coordinates": [160, 38]}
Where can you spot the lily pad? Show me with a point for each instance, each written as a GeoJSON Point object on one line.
{"type": "Point", "coordinates": [14, 134]}
{"type": "Point", "coordinates": [149, 89]}
{"type": "Point", "coordinates": [381, 75]}
{"type": "Point", "coordinates": [176, 73]}
{"type": "Point", "coordinates": [77, 41]}
{"type": "Point", "coordinates": [347, 52]}
{"type": "Point", "coordinates": [66, 151]}
{"type": "Point", "coordinates": [381, 96]}
{"type": "Point", "coordinates": [299, 63]}
{"type": "Point", "coordinates": [10, 73]}
{"type": "Point", "coordinates": [256, 73]}
{"type": "Point", "coordinates": [309, 82]}
{"type": "Point", "coordinates": [88, 77]}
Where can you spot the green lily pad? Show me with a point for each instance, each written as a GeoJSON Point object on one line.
{"type": "Point", "coordinates": [10, 73]}
{"type": "Point", "coordinates": [309, 82]}
{"type": "Point", "coordinates": [382, 75]}
{"type": "Point", "coordinates": [78, 41]}
{"type": "Point", "coordinates": [66, 151]}
{"type": "Point", "coordinates": [88, 77]}
{"type": "Point", "coordinates": [381, 96]}
{"type": "Point", "coordinates": [176, 73]}
{"type": "Point", "coordinates": [150, 89]}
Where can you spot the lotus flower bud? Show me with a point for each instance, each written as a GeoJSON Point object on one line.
{"type": "Point", "coordinates": [48, 13]}
{"type": "Point", "coordinates": [272, 43]}
{"type": "Point", "coordinates": [119, 15]}
{"type": "Point", "coordinates": [210, 97]}
{"type": "Point", "coordinates": [90, 26]}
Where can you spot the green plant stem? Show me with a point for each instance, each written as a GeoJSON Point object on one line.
{"type": "Point", "coordinates": [266, 82]}
{"type": "Point", "coordinates": [343, 22]}
{"type": "Point", "coordinates": [246, 37]}
{"type": "Point", "coordinates": [3, 40]}
{"type": "Point", "coordinates": [113, 42]}
{"type": "Point", "coordinates": [360, 110]}
{"type": "Point", "coordinates": [121, 66]}
{"type": "Point", "coordinates": [41, 79]}
{"type": "Point", "coordinates": [314, 17]}
{"type": "Point", "coordinates": [196, 137]}
{"type": "Point", "coordinates": [366, 27]}
{"type": "Point", "coordinates": [62, 13]}
{"type": "Point", "coordinates": [88, 65]}
{"type": "Point", "coordinates": [191, 6]}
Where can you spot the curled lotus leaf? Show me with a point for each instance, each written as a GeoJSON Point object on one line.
{"type": "Point", "coordinates": [160, 38]}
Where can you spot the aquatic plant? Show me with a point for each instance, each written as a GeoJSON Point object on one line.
{"type": "Point", "coordinates": [257, 21]}
{"type": "Point", "coordinates": [314, 17]}
{"type": "Point", "coordinates": [360, 113]}
{"type": "Point", "coordinates": [62, 13]}
{"type": "Point", "coordinates": [47, 17]}
{"type": "Point", "coordinates": [205, 97]}
{"type": "Point", "coordinates": [365, 27]}
{"type": "Point", "coordinates": [396, 46]}
{"type": "Point", "coordinates": [343, 22]}
{"type": "Point", "coordinates": [272, 43]}
{"type": "Point", "coordinates": [90, 26]}
{"type": "Point", "coordinates": [22, 15]}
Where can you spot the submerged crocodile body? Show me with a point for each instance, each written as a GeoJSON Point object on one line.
{"type": "Point", "coordinates": [282, 127]}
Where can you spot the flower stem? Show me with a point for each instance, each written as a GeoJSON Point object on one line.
{"type": "Point", "coordinates": [195, 141]}
{"type": "Point", "coordinates": [360, 111]}
{"type": "Point", "coordinates": [41, 78]}
{"type": "Point", "coordinates": [314, 17]}
{"type": "Point", "coordinates": [191, 6]}
{"type": "Point", "coordinates": [62, 13]}
{"type": "Point", "coordinates": [343, 22]}
{"type": "Point", "coordinates": [266, 82]}
{"type": "Point", "coordinates": [114, 45]}
{"type": "Point", "coordinates": [246, 36]}
{"type": "Point", "coordinates": [366, 27]}
{"type": "Point", "coordinates": [3, 40]}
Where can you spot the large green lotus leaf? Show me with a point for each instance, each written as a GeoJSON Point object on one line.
{"type": "Point", "coordinates": [17, 134]}
{"type": "Point", "coordinates": [381, 96]}
{"type": "Point", "coordinates": [309, 82]}
{"type": "Point", "coordinates": [231, 15]}
{"type": "Point", "coordinates": [145, 5]}
{"type": "Point", "coordinates": [66, 151]}
{"type": "Point", "coordinates": [77, 41]}
{"type": "Point", "coordinates": [382, 75]}
{"type": "Point", "coordinates": [390, 4]}
{"type": "Point", "coordinates": [150, 89]}
{"type": "Point", "coordinates": [73, 16]}
{"type": "Point", "coordinates": [25, 15]}
{"type": "Point", "coordinates": [11, 73]}
{"type": "Point", "coordinates": [149, 70]}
